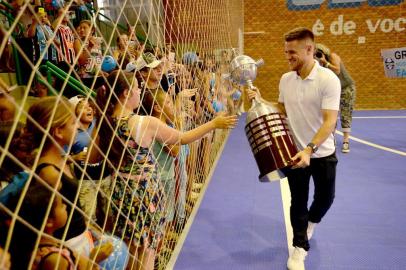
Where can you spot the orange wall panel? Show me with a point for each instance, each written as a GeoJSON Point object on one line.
{"type": "Point", "coordinates": [344, 29]}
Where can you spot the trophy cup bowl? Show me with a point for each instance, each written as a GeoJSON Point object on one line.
{"type": "Point", "coordinates": [266, 127]}
{"type": "Point", "coordinates": [244, 69]}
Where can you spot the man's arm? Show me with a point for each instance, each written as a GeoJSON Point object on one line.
{"type": "Point", "coordinates": [328, 126]}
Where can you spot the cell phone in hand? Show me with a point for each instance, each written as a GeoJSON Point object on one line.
{"type": "Point", "coordinates": [171, 56]}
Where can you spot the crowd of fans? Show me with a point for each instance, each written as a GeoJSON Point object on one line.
{"type": "Point", "coordinates": [106, 180]}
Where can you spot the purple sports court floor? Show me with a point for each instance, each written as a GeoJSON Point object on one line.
{"type": "Point", "coordinates": [240, 223]}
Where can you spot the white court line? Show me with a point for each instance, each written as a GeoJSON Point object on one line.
{"type": "Point", "coordinates": [286, 212]}
{"type": "Point", "coordinates": [375, 145]}
{"type": "Point", "coordinates": [379, 117]}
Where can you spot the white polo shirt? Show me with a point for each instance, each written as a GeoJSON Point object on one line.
{"type": "Point", "coordinates": [304, 101]}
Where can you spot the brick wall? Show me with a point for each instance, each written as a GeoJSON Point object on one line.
{"type": "Point", "coordinates": [363, 60]}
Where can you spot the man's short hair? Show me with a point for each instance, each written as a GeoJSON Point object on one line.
{"type": "Point", "coordinates": [300, 33]}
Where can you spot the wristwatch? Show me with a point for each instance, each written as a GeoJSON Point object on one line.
{"type": "Point", "coordinates": [313, 147]}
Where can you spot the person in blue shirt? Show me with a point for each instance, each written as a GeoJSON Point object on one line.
{"type": "Point", "coordinates": [92, 177]}
{"type": "Point", "coordinates": [85, 113]}
{"type": "Point", "coordinates": [41, 31]}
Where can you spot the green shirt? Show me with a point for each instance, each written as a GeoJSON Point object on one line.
{"type": "Point", "coordinates": [165, 161]}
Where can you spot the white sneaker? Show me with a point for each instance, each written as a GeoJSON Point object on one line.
{"type": "Point", "coordinates": [310, 229]}
{"type": "Point", "coordinates": [296, 260]}
{"type": "Point", "coordinates": [346, 147]}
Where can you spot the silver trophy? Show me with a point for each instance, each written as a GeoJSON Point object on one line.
{"type": "Point", "coordinates": [266, 127]}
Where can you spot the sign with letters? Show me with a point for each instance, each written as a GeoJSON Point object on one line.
{"type": "Point", "coordinates": [394, 61]}
{"type": "Point", "coordinates": [344, 24]}
{"type": "Point", "coordinates": [315, 4]}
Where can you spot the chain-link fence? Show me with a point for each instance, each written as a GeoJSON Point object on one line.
{"type": "Point", "coordinates": [111, 121]}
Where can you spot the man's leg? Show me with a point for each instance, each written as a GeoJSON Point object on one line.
{"type": "Point", "coordinates": [346, 107]}
{"type": "Point", "coordinates": [324, 174]}
{"type": "Point", "coordinates": [299, 188]}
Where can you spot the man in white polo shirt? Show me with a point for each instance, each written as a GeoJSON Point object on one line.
{"type": "Point", "coordinates": [310, 96]}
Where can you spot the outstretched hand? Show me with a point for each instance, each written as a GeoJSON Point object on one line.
{"type": "Point", "coordinates": [222, 121]}
{"type": "Point", "coordinates": [101, 252]}
{"type": "Point", "coordinates": [5, 260]}
{"type": "Point", "coordinates": [81, 156]}
{"type": "Point", "coordinates": [187, 93]}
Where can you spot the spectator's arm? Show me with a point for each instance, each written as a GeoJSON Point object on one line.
{"type": "Point", "coordinates": [53, 37]}
{"type": "Point", "coordinates": [32, 29]}
{"type": "Point", "coordinates": [153, 128]}
{"type": "Point", "coordinates": [334, 63]}
{"type": "Point", "coordinates": [53, 260]}
{"type": "Point", "coordinates": [94, 154]}
{"type": "Point", "coordinates": [56, 23]}
{"type": "Point", "coordinates": [172, 150]}
{"type": "Point", "coordinates": [101, 252]}
{"type": "Point", "coordinates": [84, 55]}
{"type": "Point", "coordinates": [50, 175]}
{"type": "Point", "coordinates": [5, 261]}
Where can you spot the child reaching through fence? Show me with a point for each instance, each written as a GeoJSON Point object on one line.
{"type": "Point", "coordinates": [126, 139]}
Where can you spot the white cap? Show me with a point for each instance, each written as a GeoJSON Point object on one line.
{"type": "Point", "coordinates": [130, 67]}
{"type": "Point", "coordinates": [75, 100]}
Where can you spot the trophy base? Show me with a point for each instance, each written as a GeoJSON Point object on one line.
{"type": "Point", "coordinates": [272, 176]}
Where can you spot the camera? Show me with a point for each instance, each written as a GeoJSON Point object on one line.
{"type": "Point", "coordinates": [171, 78]}
{"type": "Point", "coordinates": [319, 54]}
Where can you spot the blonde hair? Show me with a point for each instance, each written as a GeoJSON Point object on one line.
{"type": "Point", "coordinates": [52, 112]}
{"type": "Point", "coordinates": [323, 48]}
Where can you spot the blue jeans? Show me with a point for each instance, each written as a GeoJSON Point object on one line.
{"type": "Point", "coordinates": [323, 172]}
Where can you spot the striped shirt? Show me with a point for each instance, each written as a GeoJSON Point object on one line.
{"type": "Point", "coordinates": [67, 39]}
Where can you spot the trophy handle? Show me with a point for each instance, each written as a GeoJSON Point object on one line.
{"type": "Point", "coordinates": [260, 62]}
